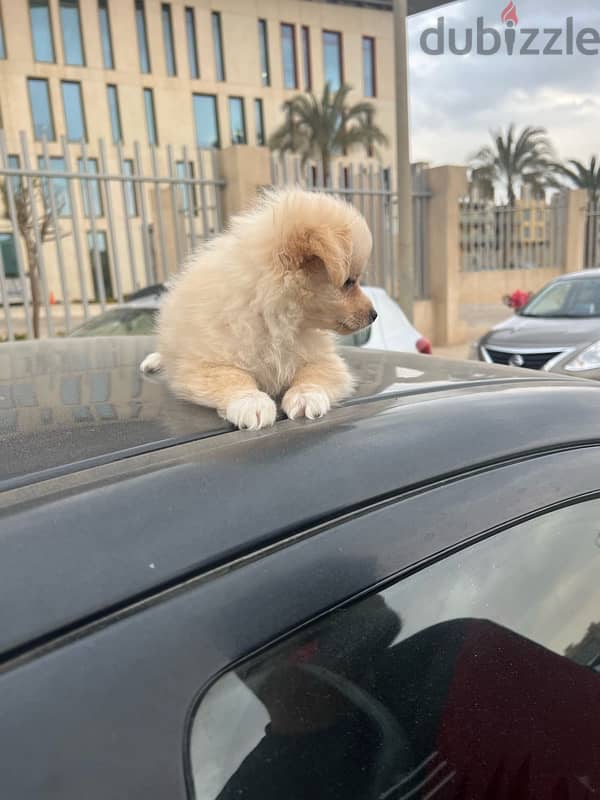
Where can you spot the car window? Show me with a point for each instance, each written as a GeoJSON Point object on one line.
{"type": "Point", "coordinates": [120, 322]}
{"type": "Point", "coordinates": [476, 677]}
{"type": "Point", "coordinates": [576, 298]}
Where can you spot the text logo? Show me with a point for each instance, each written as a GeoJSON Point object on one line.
{"type": "Point", "coordinates": [486, 40]}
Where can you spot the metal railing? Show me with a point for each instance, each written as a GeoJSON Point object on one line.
{"type": "Point", "coordinates": [94, 224]}
{"type": "Point", "coordinates": [369, 189]}
{"type": "Point", "coordinates": [501, 237]}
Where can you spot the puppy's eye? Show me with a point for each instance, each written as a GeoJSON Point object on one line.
{"type": "Point", "coordinates": [350, 283]}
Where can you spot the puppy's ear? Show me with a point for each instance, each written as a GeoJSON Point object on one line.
{"type": "Point", "coordinates": [319, 246]}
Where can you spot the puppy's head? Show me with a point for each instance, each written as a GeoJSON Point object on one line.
{"type": "Point", "coordinates": [324, 245]}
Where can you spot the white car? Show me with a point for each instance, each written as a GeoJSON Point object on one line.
{"type": "Point", "coordinates": [390, 331]}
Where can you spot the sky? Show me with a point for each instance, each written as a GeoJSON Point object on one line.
{"type": "Point", "coordinates": [457, 100]}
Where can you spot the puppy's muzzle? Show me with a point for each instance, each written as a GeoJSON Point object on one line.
{"type": "Point", "coordinates": [372, 316]}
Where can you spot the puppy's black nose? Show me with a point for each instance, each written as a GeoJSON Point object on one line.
{"type": "Point", "coordinates": [372, 315]}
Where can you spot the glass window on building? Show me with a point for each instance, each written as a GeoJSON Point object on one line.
{"type": "Point", "coordinates": [306, 65]}
{"type": "Point", "coordinates": [150, 116]}
{"type": "Point", "coordinates": [2, 42]}
{"type": "Point", "coordinates": [131, 191]}
{"type": "Point", "coordinates": [105, 37]}
{"type": "Point", "coordinates": [41, 110]}
{"type": "Point", "coordinates": [207, 123]}
{"type": "Point", "coordinates": [167, 25]}
{"type": "Point", "coordinates": [9, 255]}
{"type": "Point", "coordinates": [115, 114]}
{"type": "Point", "coordinates": [70, 22]}
{"type": "Point", "coordinates": [59, 186]}
{"type": "Point", "coordinates": [288, 52]}
{"type": "Point", "coordinates": [14, 162]}
{"type": "Point", "coordinates": [142, 36]}
{"type": "Point", "coordinates": [332, 59]}
{"type": "Point", "coordinates": [98, 250]}
{"type": "Point", "coordinates": [237, 120]}
{"type": "Point", "coordinates": [218, 46]}
{"type": "Point", "coordinates": [259, 122]}
{"type": "Point", "coordinates": [41, 31]}
{"type": "Point", "coordinates": [368, 53]}
{"type": "Point", "coordinates": [192, 46]}
{"type": "Point", "coordinates": [74, 113]}
{"type": "Point", "coordinates": [263, 46]}
{"type": "Point", "coordinates": [90, 189]}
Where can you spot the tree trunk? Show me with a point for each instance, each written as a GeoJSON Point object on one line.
{"type": "Point", "coordinates": [34, 280]}
{"type": "Point", "coordinates": [326, 165]}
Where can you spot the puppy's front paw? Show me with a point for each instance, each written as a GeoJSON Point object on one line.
{"type": "Point", "coordinates": [305, 401]}
{"type": "Point", "coordinates": [253, 410]}
{"type": "Point", "coordinates": [152, 363]}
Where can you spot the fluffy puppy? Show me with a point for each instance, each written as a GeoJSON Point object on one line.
{"type": "Point", "coordinates": [250, 317]}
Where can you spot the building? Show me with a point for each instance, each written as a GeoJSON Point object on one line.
{"type": "Point", "coordinates": [174, 77]}
{"type": "Point", "coordinates": [193, 72]}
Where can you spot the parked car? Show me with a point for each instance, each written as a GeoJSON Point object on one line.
{"type": "Point", "coordinates": [558, 330]}
{"type": "Point", "coordinates": [398, 600]}
{"type": "Point", "coordinates": [391, 331]}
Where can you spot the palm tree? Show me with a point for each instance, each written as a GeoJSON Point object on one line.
{"type": "Point", "coordinates": [526, 158]}
{"type": "Point", "coordinates": [322, 127]}
{"type": "Point", "coordinates": [588, 178]}
{"type": "Point", "coordinates": [583, 177]}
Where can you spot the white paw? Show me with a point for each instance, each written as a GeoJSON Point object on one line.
{"type": "Point", "coordinates": [252, 411]}
{"type": "Point", "coordinates": [308, 401]}
{"type": "Point", "coordinates": [151, 363]}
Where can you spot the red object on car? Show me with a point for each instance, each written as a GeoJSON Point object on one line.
{"type": "Point", "coordinates": [423, 346]}
{"type": "Point", "coordinates": [517, 299]}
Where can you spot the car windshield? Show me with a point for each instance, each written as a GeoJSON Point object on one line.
{"type": "Point", "coordinates": [119, 322]}
{"type": "Point", "coordinates": [573, 299]}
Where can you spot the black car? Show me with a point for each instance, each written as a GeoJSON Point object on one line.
{"type": "Point", "coordinates": [401, 600]}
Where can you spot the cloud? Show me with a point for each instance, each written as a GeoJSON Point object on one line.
{"type": "Point", "coordinates": [456, 100]}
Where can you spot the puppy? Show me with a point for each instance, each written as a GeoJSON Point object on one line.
{"type": "Point", "coordinates": [251, 316]}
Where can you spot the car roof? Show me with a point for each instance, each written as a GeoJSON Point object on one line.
{"type": "Point", "coordinates": [68, 404]}
{"type": "Point", "coordinates": [113, 489]}
{"type": "Point", "coordinates": [587, 273]}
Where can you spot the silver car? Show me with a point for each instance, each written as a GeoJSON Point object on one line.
{"type": "Point", "coordinates": [557, 331]}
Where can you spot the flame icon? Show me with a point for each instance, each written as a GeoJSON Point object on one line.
{"type": "Point", "coordinates": [509, 15]}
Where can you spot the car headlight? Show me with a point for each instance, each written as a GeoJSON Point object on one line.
{"type": "Point", "coordinates": [586, 360]}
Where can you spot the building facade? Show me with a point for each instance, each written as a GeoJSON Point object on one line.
{"type": "Point", "coordinates": [193, 72]}
{"type": "Point", "coordinates": [142, 88]}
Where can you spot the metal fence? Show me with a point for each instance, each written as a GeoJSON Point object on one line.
{"type": "Point", "coordinates": [496, 237]}
{"type": "Point", "coordinates": [95, 223]}
{"type": "Point", "coordinates": [591, 256]}
{"type": "Point", "coordinates": [369, 189]}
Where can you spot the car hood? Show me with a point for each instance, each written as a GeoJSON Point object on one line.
{"type": "Point", "coordinates": [520, 331]}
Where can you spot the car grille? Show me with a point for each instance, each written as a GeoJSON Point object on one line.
{"type": "Point", "coordinates": [530, 360]}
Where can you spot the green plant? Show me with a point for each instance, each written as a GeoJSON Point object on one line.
{"type": "Point", "coordinates": [525, 158]}
{"type": "Point", "coordinates": [320, 128]}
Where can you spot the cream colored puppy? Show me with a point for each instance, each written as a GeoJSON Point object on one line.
{"type": "Point", "coordinates": [250, 317]}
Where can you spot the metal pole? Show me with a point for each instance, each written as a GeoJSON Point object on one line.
{"type": "Point", "coordinates": [404, 244]}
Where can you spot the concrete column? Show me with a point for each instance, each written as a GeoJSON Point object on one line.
{"type": "Point", "coordinates": [404, 239]}
{"type": "Point", "coordinates": [245, 169]}
{"type": "Point", "coordinates": [447, 185]}
{"type": "Point", "coordinates": [575, 216]}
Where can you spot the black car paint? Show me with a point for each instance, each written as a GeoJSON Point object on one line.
{"type": "Point", "coordinates": [119, 608]}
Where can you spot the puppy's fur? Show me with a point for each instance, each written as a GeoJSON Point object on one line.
{"type": "Point", "coordinates": [250, 316]}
